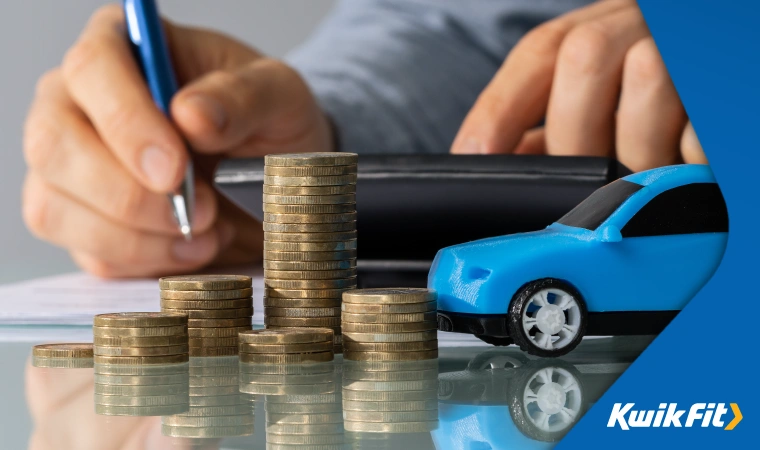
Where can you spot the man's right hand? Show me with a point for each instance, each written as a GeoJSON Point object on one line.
{"type": "Point", "coordinates": [102, 156]}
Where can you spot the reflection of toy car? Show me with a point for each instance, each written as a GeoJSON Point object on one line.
{"type": "Point", "coordinates": [624, 261]}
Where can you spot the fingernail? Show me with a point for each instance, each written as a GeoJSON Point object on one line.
{"type": "Point", "coordinates": [204, 209]}
{"type": "Point", "coordinates": [200, 249]}
{"type": "Point", "coordinates": [471, 146]}
{"type": "Point", "coordinates": [210, 108]}
{"type": "Point", "coordinates": [157, 165]}
{"type": "Point", "coordinates": [226, 233]}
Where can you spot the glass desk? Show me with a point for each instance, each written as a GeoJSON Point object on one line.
{"type": "Point", "coordinates": [471, 398]}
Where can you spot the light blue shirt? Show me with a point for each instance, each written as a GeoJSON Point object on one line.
{"type": "Point", "coordinates": [399, 76]}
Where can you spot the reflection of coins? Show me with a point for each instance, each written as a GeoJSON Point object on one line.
{"type": "Point", "coordinates": [379, 427]}
{"type": "Point", "coordinates": [230, 294]}
{"type": "Point", "coordinates": [305, 419]}
{"type": "Point", "coordinates": [286, 358]}
{"type": "Point", "coordinates": [397, 406]}
{"type": "Point", "coordinates": [117, 400]}
{"type": "Point", "coordinates": [388, 328]}
{"type": "Point", "coordinates": [291, 389]}
{"type": "Point", "coordinates": [133, 341]}
{"type": "Point", "coordinates": [302, 303]}
{"type": "Point", "coordinates": [302, 322]}
{"type": "Point", "coordinates": [301, 312]}
{"type": "Point", "coordinates": [391, 337]}
{"type": "Point", "coordinates": [396, 308]}
{"type": "Point", "coordinates": [281, 370]}
{"type": "Point", "coordinates": [218, 421]}
{"type": "Point", "coordinates": [310, 170]}
{"type": "Point", "coordinates": [204, 282]}
{"type": "Point", "coordinates": [391, 416]}
{"type": "Point", "coordinates": [404, 375]}
{"type": "Point", "coordinates": [303, 410]}
{"type": "Point", "coordinates": [63, 350]}
{"type": "Point", "coordinates": [142, 351]}
{"type": "Point", "coordinates": [286, 336]}
{"type": "Point", "coordinates": [390, 295]}
{"type": "Point", "coordinates": [305, 439]}
{"type": "Point", "coordinates": [312, 347]}
{"type": "Point", "coordinates": [141, 370]}
{"type": "Point", "coordinates": [311, 429]}
{"type": "Point", "coordinates": [290, 379]}
{"type": "Point", "coordinates": [140, 319]}
{"type": "Point", "coordinates": [390, 356]}
{"type": "Point", "coordinates": [140, 411]}
{"type": "Point", "coordinates": [389, 366]}
{"type": "Point", "coordinates": [141, 391]}
{"type": "Point", "coordinates": [388, 318]}
{"type": "Point", "coordinates": [141, 360]}
{"type": "Point", "coordinates": [138, 380]}
{"type": "Point", "coordinates": [209, 411]}
{"type": "Point", "coordinates": [352, 346]}
{"type": "Point", "coordinates": [206, 432]}
{"type": "Point", "coordinates": [309, 200]}
{"type": "Point", "coordinates": [390, 396]}
{"type": "Point", "coordinates": [413, 385]}
{"type": "Point", "coordinates": [61, 363]}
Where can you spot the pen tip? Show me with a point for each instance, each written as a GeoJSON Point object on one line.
{"type": "Point", "coordinates": [187, 232]}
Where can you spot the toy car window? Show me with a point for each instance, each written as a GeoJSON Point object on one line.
{"type": "Point", "coordinates": [693, 208]}
{"type": "Point", "coordinates": [597, 207]}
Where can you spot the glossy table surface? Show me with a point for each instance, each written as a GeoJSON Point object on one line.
{"type": "Point", "coordinates": [470, 398]}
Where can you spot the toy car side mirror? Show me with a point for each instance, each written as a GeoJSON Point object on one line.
{"type": "Point", "coordinates": [610, 233]}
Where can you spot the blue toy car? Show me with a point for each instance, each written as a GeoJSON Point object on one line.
{"type": "Point", "coordinates": [624, 261]}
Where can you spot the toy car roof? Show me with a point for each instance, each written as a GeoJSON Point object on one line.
{"type": "Point", "coordinates": [674, 175]}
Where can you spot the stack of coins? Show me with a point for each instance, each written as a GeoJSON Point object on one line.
{"type": "Point", "coordinates": [137, 338]}
{"type": "Point", "coordinates": [218, 307]}
{"type": "Point", "coordinates": [396, 324]}
{"type": "Point", "coordinates": [304, 421]}
{"type": "Point", "coordinates": [147, 390]}
{"type": "Point", "coordinates": [62, 356]}
{"type": "Point", "coordinates": [217, 409]}
{"type": "Point", "coordinates": [309, 238]}
{"type": "Point", "coordinates": [390, 397]}
{"type": "Point", "coordinates": [286, 346]}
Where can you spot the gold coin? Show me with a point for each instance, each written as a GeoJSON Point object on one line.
{"type": "Point", "coordinates": [215, 313]}
{"type": "Point", "coordinates": [204, 282]}
{"type": "Point", "coordinates": [344, 199]}
{"type": "Point", "coordinates": [412, 385]}
{"type": "Point", "coordinates": [379, 427]}
{"type": "Point", "coordinates": [390, 295]}
{"type": "Point", "coordinates": [214, 342]}
{"type": "Point", "coordinates": [210, 411]}
{"type": "Point", "coordinates": [301, 312]}
{"type": "Point", "coordinates": [229, 294]}
{"type": "Point", "coordinates": [392, 416]}
{"type": "Point", "coordinates": [310, 237]}
{"type": "Point", "coordinates": [142, 351]}
{"type": "Point", "coordinates": [390, 356]}
{"type": "Point", "coordinates": [213, 351]}
{"type": "Point", "coordinates": [302, 321]}
{"type": "Point", "coordinates": [311, 159]}
{"type": "Point", "coordinates": [389, 318]}
{"type": "Point", "coordinates": [347, 264]}
{"type": "Point", "coordinates": [206, 432]}
{"type": "Point", "coordinates": [305, 439]}
{"type": "Point", "coordinates": [309, 274]}
{"type": "Point", "coordinates": [178, 391]}
{"type": "Point", "coordinates": [282, 389]}
{"type": "Point", "coordinates": [62, 363]}
{"type": "Point", "coordinates": [309, 227]}
{"type": "Point", "coordinates": [403, 308]}
{"type": "Point", "coordinates": [303, 293]}
{"type": "Point", "coordinates": [310, 191]}
{"type": "Point", "coordinates": [290, 358]}
{"type": "Point", "coordinates": [207, 304]}
{"type": "Point", "coordinates": [140, 411]}
{"type": "Point", "coordinates": [304, 411]}
{"type": "Point", "coordinates": [388, 328]}
{"type": "Point", "coordinates": [390, 346]}
{"type": "Point", "coordinates": [63, 350]}
{"type": "Point", "coordinates": [142, 380]}
{"type": "Point", "coordinates": [312, 347]}
{"type": "Point", "coordinates": [302, 302]}
{"type": "Point", "coordinates": [310, 218]}
{"type": "Point", "coordinates": [215, 381]}
{"type": "Point", "coordinates": [219, 323]}
{"type": "Point", "coordinates": [311, 429]}
{"type": "Point", "coordinates": [310, 171]}
{"type": "Point", "coordinates": [326, 180]}
{"type": "Point", "coordinates": [271, 255]}
{"type": "Point", "coordinates": [401, 406]}
{"type": "Point", "coordinates": [140, 319]}
{"type": "Point", "coordinates": [141, 360]}
{"type": "Point", "coordinates": [142, 370]}
{"type": "Point", "coordinates": [392, 337]}
{"type": "Point", "coordinates": [311, 284]}
{"type": "Point", "coordinates": [153, 400]}
{"type": "Point", "coordinates": [218, 421]}
{"type": "Point", "coordinates": [304, 419]}
{"type": "Point", "coordinates": [216, 332]}
{"type": "Point", "coordinates": [343, 208]}
{"type": "Point", "coordinates": [390, 396]}
{"type": "Point", "coordinates": [132, 341]}
{"type": "Point", "coordinates": [286, 336]}
{"type": "Point", "coordinates": [140, 332]}
{"type": "Point", "coordinates": [310, 246]}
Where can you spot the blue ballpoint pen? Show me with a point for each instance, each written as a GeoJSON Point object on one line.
{"type": "Point", "coordinates": [152, 54]}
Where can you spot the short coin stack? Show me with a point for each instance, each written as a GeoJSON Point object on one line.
{"type": "Point", "coordinates": [137, 338]}
{"type": "Point", "coordinates": [218, 308]}
{"type": "Point", "coordinates": [309, 238]}
{"type": "Point", "coordinates": [147, 390]}
{"type": "Point", "coordinates": [217, 409]}
{"type": "Point", "coordinates": [395, 324]}
{"type": "Point", "coordinates": [286, 346]}
{"type": "Point", "coordinates": [62, 356]}
{"type": "Point", "coordinates": [390, 397]}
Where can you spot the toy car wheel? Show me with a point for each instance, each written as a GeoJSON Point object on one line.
{"type": "Point", "coordinates": [497, 341]}
{"type": "Point", "coordinates": [547, 318]}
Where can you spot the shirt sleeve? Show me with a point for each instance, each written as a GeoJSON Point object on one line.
{"type": "Point", "coordinates": [399, 76]}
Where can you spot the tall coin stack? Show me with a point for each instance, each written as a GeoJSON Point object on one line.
{"type": "Point", "coordinates": [218, 307]}
{"type": "Point", "coordinates": [309, 238]}
{"type": "Point", "coordinates": [395, 324]}
{"type": "Point", "coordinates": [390, 397]}
{"type": "Point", "coordinates": [217, 408]}
{"type": "Point", "coordinates": [147, 390]}
{"type": "Point", "coordinates": [138, 338]}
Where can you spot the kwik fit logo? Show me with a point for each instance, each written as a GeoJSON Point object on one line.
{"type": "Point", "coordinates": [668, 415]}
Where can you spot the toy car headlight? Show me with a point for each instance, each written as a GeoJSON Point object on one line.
{"type": "Point", "coordinates": [478, 273]}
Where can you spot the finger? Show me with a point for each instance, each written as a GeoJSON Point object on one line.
{"type": "Point", "coordinates": [581, 115]}
{"type": "Point", "coordinates": [515, 100]}
{"type": "Point", "coordinates": [55, 217]}
{"type": "Point", "coordinates": [533, 142]}
{"type": "Point", "coordinates": [105, 81]}
{"type": "Point", "coordinates": [265, 101]}
{"type": "Point", "coordinates": [650, 118]}
{"type": "Point", "coordinates": [691, 149]}
{"type": "Point", "coordinates": [61, 146]}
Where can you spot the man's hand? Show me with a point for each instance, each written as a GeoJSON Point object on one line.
{"type": "Point", "coordinates": [597, 78]}
{"type": "Point", "coordinates": [102, 157]}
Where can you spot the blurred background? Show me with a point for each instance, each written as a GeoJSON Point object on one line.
{"type": "Point", "coordinates": [34, 35]}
